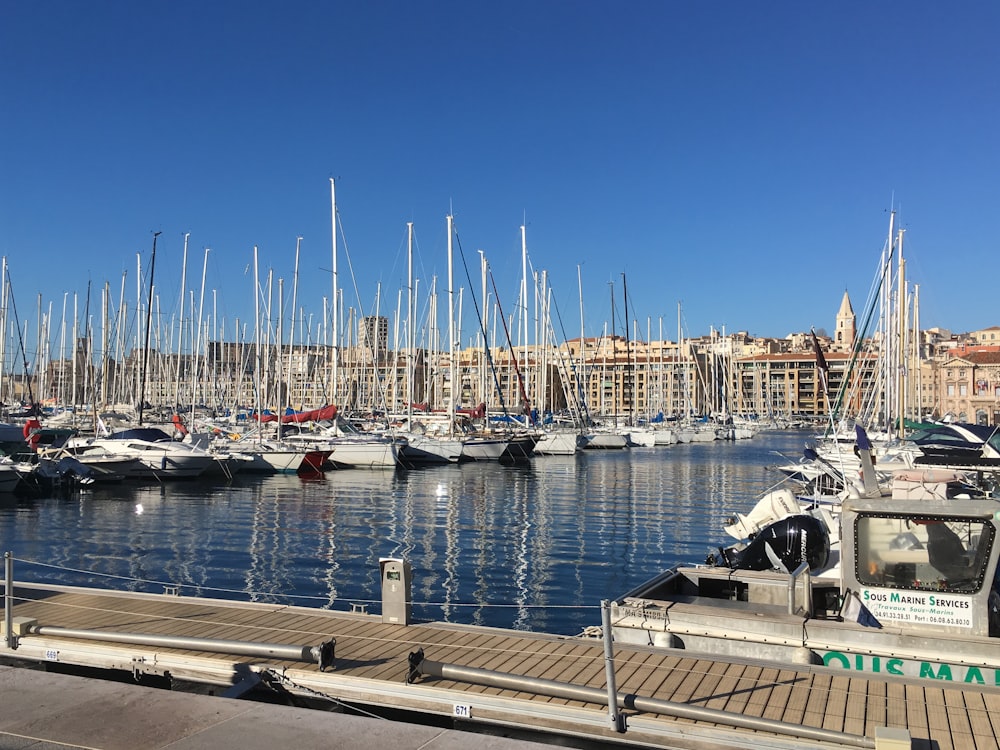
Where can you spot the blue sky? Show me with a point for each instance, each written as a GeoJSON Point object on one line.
{"type": "Point", "coordinates": [737, 158]}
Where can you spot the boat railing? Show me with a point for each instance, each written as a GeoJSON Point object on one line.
{"type": "Point", "coordinates": [802, 574]}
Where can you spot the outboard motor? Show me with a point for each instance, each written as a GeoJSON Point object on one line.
{"type": "Point", "coordinates": [783, 546]}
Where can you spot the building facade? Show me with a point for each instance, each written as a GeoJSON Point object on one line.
{"type": "Point", "coordinates": [723, 375]}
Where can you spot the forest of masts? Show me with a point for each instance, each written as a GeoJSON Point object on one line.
{"type": "Point", "coordinates": [112, 351]}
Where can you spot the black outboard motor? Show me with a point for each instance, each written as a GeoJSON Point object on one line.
{"type": "Point", "coordinates": [783, 546]}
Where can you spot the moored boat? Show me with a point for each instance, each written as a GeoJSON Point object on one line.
{"type": "Point", "coordinates": [9, 476]}
{"type": "Point", "coordinates": [559, 442]}
{"type": "Point", "coordinates": [910, 590]}
{"type": "Point", "coordinates": [159, 455]}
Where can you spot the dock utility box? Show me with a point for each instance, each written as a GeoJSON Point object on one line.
{"type": "Point", "coordinates": [397, 578]}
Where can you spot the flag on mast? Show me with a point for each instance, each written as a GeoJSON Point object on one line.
{"type": "Point", "coordinates": [824, 369]}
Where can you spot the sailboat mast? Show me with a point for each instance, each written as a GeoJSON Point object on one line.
{"type": "Point", "coordinates": [257, 353]}
{"type": "Point", "coordinates": [629, 369]}
{"type": "Point", "coordinates": [483, 270]}
{"type": "Point", "coordinates": [180, 322]}
{"type": "Point", "coordinates": [196, 342]}
{"type": "Point", "coordinates": [335, 332]}
{"type": "Point", "coordinates": [917, 358]}
{"type": "Point", "coordinates": [614, 356]}
{"type": "Point", "coordinates": [3, 326]}
{"type": "Point", "coordinates": [524, 297]}
{"type": "Point", "coordinates": [149, 316]}
{"type": "Point", "coordinates": [452, 370]}
{"type": "Point", "coordinates": [583, 386]}
{"type": "Point", "coordinates": [901, 309]}
{"type": "Point", "coordinates": [681, 388]}
{"type": "Point", "coordinates": [411, 349]}
{"type": "Point", "coordinates": [291, 327]}
{"type": "Point", "coordinates": [887, 331]}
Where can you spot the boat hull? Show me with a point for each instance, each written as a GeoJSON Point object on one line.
{"type": "Point", "coordinates": [558, 443]}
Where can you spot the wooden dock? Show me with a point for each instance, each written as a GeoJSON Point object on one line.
{"type": "Point", "coordinates": [371, 664]}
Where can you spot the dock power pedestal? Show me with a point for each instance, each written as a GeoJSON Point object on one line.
{"type": "Point", "coordinates": [396, 590]}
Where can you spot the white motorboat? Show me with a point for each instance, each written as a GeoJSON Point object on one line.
{"type": "Point", "coordinates": [910, 589]}
{"type": "Point", "coordinates": [159, 456]}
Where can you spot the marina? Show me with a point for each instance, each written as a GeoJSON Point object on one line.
{"type": "Point", "coordinates": [498, 372]}
{"type": "Point", "coordinates": [533, 546]}
{"type": "Point", "coordinates": [279, 584]}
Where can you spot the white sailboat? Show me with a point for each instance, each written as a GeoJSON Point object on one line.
{"type": "Point", "coordinates": [559, 442]}
{"type": "Point", "coordinates": [422, 446]}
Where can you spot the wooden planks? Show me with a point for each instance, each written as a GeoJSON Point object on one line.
{"type": "Point", "coordinates": [369, 649]}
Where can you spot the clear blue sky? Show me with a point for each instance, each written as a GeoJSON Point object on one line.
{"type": "Point", "coordinates": [739, 158]}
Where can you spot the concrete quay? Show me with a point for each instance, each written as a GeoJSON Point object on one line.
{"type": "Point", "coordinates": [45, 711]}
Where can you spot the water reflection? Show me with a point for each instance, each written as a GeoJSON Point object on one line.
{"type": "Point", "coordinates": [534, 546]}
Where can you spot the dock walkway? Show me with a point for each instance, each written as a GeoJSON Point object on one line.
{"type": "Point", "coordinates": [371, 662]}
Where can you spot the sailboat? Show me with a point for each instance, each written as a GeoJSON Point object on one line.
{"type": "Point", "coordinates": [606, 436]}
{"type": "Point", "coordinates": [351, 448]}
{"type": "Point", "coordinates": [423, 445]}
{"type": "Point", "coordinates": [158, 455]}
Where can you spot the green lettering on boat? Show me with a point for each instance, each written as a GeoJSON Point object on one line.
{"type": "Point", "coordinates": [831, 656]}
{"type": "Point", "coordinates": [974, 675]}
{"type": "Point", "coordinates": [927, 670]}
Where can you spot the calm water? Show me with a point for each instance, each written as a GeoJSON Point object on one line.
{"type": "Point", "coordinates": [533, 547]}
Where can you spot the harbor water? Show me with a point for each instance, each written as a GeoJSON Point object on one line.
{"type": "Point", "coordinates": [534, 546]}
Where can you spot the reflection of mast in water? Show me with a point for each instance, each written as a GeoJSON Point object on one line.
{"type": "Point", "coordinates": [327, 553]}
{"type": "Point", "coordinates": [522, 569]}
{"type": "Point", "coordinates": [452, 549]}
{"type": "Point", "coordinates": [486, 547]}
{"type": "Point", "coordinates": [269, 553]}
{"type": "Point", "coordinates": [252, 576]}
{"type": "Point", "coordinates": [357, 508]}
{"type": "Point", "coordinates": [571, 489]}
{"type": "Point", "coordinates": [489, 575]}
{"type": "Point", "coordinates": [187, 558]}
{"type": "Point", "coordinates": [547, 486]}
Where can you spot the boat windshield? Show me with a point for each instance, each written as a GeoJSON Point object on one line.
{"type": "Point", "coordinates": [923, 553]}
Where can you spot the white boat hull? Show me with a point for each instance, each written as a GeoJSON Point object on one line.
{"type": "Point", "coordinates": [421, 449]}
{"type": "Point", "coordinates": [558, 443]}
{"type": "Point", "coordinates": [483, 449]}
{"type": "Point", "coordinates": [606, 441]}
{"type": "Point", "coordinates": [365, 454]}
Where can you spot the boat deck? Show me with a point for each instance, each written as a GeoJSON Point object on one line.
{"type": "Point", "coordinates": [371, 665]}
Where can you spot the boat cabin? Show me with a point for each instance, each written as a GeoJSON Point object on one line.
{"type": "Point", "coordinates": [925, 566]}
{"type": "Point", "coordinates": [913, 576]}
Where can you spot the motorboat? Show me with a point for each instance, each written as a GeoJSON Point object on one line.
{"type": "Point", "coordinates": [159, 455]}
{"type": "Point", "coordinates": [906, 585]}
{"type": "Point", "coordinates": [956, 444]}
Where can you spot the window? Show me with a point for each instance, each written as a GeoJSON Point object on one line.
{"type": "Point", "coordinates": [951, 389]}
{"type": "Point", "coordinates": [963, 389]}
{"type": "Point", "coordinates": [923, 553]}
